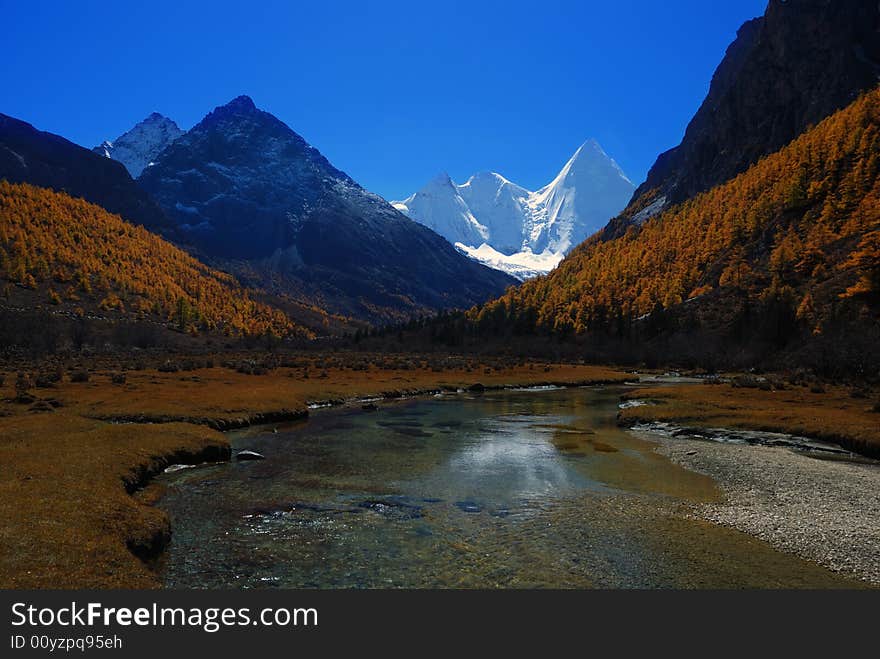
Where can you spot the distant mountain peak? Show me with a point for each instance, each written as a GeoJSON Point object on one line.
{"type": "Point", "coordinates": [242, 185]}
{"type": "Point", "coordinates": [242, 102]}
{"type": "Point", "coordinates": [442, 179]}
{"type": "Point", "coordinates": [139, 147]}
{"type": "Point", "coordinates": [487, 177]}
{"type": "Point", "coordinates": [589, 160]}
{"type": "Point", "coordinates": [485, 174]}
{"type": "Point", "coordinates": [590, 145]}
{"type": "Point", "coordinates": [590, 150]}
{"type": "Point", "coordinates": [240, 105]}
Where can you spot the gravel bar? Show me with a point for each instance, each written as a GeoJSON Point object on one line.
{"type": "Point", "coordinates": [825, 510]}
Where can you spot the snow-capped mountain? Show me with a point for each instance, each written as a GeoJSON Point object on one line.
{"type": "Point", "coordinates": [441, 208]}
{"type": "Point", "coordinates": [521, 232]}
{"type": "Point", "coordinates": [138, 148]}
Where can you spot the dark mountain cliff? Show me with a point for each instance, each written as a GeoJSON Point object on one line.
{"type": "Point", "coordinates": [786, 71]}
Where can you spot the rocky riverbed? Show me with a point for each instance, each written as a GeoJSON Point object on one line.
{"type": "Point", "coordinates": [817, 505]}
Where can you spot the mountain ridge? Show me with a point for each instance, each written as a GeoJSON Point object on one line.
{"type": "Point", "coordinates": [28, 155]}
{"type": "Point", "coordinates": [246, 190]}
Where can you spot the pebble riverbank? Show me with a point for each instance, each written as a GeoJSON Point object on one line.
{"type": "Point", "coordinates": [825, 510]}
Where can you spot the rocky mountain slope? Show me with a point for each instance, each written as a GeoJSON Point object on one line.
{"type": "Point", "coordinates": [245, 190]}
{"type": "Point", "coordinates": [786, 71]}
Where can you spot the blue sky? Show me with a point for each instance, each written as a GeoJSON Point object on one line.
{"type": "Point", "coordinates": [391, 92]}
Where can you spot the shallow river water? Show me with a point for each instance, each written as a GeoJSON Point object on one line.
{"type": "Point", "coordinates": [505, 489]}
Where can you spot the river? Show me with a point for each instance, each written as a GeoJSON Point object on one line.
{"type": "Point", "coordinates": [507, 489]}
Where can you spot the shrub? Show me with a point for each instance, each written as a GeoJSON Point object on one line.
{"type": "Point", "coordinates": [23, 383]}
{"type": "Point", "coordinates": [744, 382]}
{"type": "Point", "coordinates": [43, 381]}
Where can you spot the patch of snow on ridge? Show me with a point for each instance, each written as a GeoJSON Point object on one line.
{"type": "Point", "coordinates": [649, 211]}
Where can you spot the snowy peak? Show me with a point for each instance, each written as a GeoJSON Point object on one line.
{"type": "Point", "coordinates": [589, 165]}
{"type": "Point", "coordinates": [139, 147]}
{"type": "Point", "coordinates": [493, 180]}
{"type": "Point", "coordinates": [442, 180]}
{"type": "Point", "coordinates": [588, 191]}
{"type": "Point", "coordinates": [500, 206]}
{"type": "Point", "coordinates": [591, 158]}
{"type": "Point", "coordinates": [441, 208]}
{"type": "Point", "coordinates": [508, 227]}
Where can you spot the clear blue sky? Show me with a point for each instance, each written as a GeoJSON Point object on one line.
{"type": "Point", "coordinates": [391, 92]}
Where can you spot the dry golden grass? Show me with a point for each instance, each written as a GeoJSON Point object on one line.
{"type": "Point", "coordinates": [220, 393]}
{"type": "Point", "coordinates": [66, 518]}
{"type": "Point", "coordinates": [833, 416]}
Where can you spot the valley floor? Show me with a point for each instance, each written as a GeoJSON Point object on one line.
{"type": "Point", "coordinates": [75, 464]}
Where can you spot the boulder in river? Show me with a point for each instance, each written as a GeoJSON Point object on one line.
{"type": "Point", "coordinates": [247, 454]}
{"type": "Point", "coordinates": [477, 388]}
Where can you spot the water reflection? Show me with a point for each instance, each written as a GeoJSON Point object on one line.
{"type": "Point", "coordinates": [504, 464]}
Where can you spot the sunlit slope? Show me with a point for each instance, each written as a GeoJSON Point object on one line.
{"type": "Point", "coordinates": [801, 226]}
{"type": "Point", "coordinates": [75, 255]}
